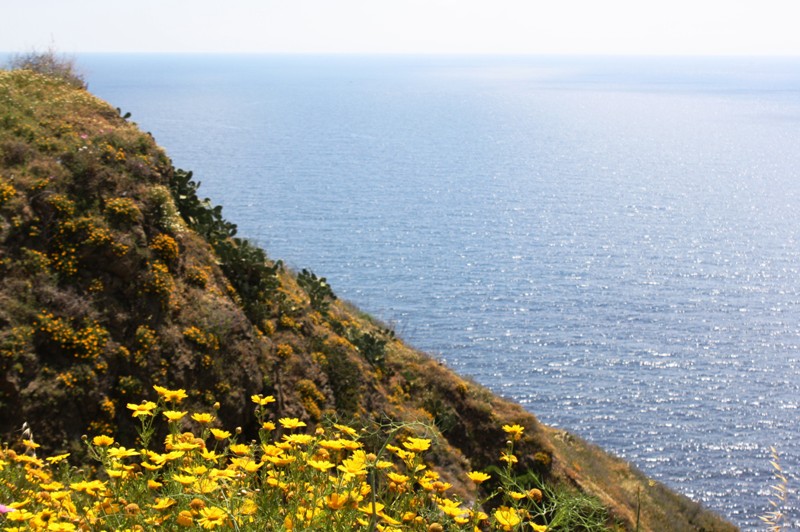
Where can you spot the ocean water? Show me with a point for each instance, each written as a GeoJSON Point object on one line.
{"type": "Point", "coordinates": [612, 242]}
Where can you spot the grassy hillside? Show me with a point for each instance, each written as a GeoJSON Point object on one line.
{"type": "Point", "coordinates": [116, 276]}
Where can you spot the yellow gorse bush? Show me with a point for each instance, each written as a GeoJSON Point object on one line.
{"type": "Point", "coordinates": [7, 191]}
{"type": "Point", "coordinates": [286, 480]}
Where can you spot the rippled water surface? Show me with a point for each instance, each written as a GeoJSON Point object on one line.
{"type": "Point", "coordinates": [611, 242]}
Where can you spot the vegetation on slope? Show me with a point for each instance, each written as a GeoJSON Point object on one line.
{"type": "Point", "coordinates": [287, 479]}
{"type": "Point", "coordinates": [115, 276]}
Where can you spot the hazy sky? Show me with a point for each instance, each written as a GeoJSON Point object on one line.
{"type": "Point", "coordinates": [404, 26]}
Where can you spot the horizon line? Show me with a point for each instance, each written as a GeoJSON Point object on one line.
{"type": "Point", "coordinates": [421, 54]}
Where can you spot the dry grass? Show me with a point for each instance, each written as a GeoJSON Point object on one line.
{"type": "Point", "coordinates": [775, 519]}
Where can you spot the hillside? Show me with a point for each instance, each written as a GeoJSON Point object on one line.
{"type": "Point", "coordinates": [115, 276]}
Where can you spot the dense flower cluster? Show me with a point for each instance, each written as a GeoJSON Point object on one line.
{"type": "Point", "coordinates": [286, 480]}
{"type": "Point", "coordinates": [165, 247]}
{"type": "Point", "coordinates": [159, 282]}
{"type": "Point", "coordinates": [61, 204]}
{"type": "Point", "coordinates": [122, 210]}
{"type": "Point", "coordinates": [198, 276]}
{"type": "Point", "coordinates": [7, 191]}
{"type": "Point", "coordinates": [86, 343]}
{"type": "Point", "coordinates": [200, 338]}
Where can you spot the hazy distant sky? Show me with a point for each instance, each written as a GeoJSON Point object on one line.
{"type": "Point", "coordinates": [404, 26]}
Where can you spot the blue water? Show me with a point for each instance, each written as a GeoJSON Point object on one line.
{"type": "Point", "coordinates": [614, 243]}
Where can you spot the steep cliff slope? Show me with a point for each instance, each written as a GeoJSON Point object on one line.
{"type": "Point", "coordinates": [115, 276]}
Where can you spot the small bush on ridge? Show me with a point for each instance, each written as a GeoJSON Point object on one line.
{"type": "Point", "coordinates": [49, 63]}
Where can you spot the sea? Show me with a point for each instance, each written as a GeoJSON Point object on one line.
{"type": "Point", "coordinates": [613, 242]}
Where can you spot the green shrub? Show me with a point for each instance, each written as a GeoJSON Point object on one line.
{"type": "Point", "coordinates": [371, 346]}
{"type": "Point", "coordinates": [318, 290]}
{"type": "Point", "coordinates": [247, 267]}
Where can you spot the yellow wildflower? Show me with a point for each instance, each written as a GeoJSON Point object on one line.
{"type": "Point", "coordinates": [121, 452]}
{"type": "Point", "coordinates": [103, 440]}
{"type": "Point", "coordinates": [185, 480]}
{"type": "Point", "coordinates": [57, 458]}
{"type": "Point", "coordinates": [355, 465]}
{"type": "Point", "coordinates": [30, 444]}
{"type": "Point", "coordinates": [281, 460]}
{"type": "Point", "coordinates": [376, 508]}
{"type": "Point", "coordinates": [515, 431]}
{"type": "Point", "coordinates": [261, 400]}
{"type": "Point", "coordinates": [291, 423]}
{"type": "Point", "coordinates": [173, 415]}
{"type": "Point", "coordinates": [336, 501]}
{"type": "Point", "coordinates": [408, 516]}
{"type": "Point", "coordinates": [240, 449]}
{"type": "Point", "coordinates": [184, 446]}
{"type": "Point", "coordinates": [184, 518]}
{"type": "Point", "coordinates": [226, 473]}
{"type": "Point", "coordinates": [372, 508]}
{"type": "Point", "coordinates": [211, 456]}
{"type": "Point", "coordinates": [90, 487]}
{"type": "Point", "coordinates": [350, 431]}
{"type": "Point", "coordinates": [196, 504]}
{"type": "Point", "coordinates": [60, 527]}
{"type": "Point", "coordinates": [212, 517]}
{"type": "Point", "coordinates": [195, 470]}
{"type": "Point", "coordinates": [331, 445]}
{"type": "Point", "coordinates": [478, 477]}
{"type": "Point", "coordinates": [220, 434]}
{"type": "Point", "coordinates": [247, 464]}
{"type": "Point", "coordinates": [20, 515]}
{"type": "Point", "coordinates": [25, 459]}
{"type": "Point", "coordinates": [169, 457]}
{"type": "Point", "coordinates": [452, 508]}
{"type": "Point", "coordinates": [507, 518]}
{"type": "Point", "coordinates": [249, 507]}
{"type": "Point", "coordinates": [205, 486]}
{"type": "Point", "coordinates": [417, 445]}
{"type": "Point", "coordinates": [508, 458]}
{"type": "Point", "coordinates": [171, 396]}
{"type": "Point", "coordinates": [116, 473]}
{"type": "Point", "coordinates": [203, 418]}
{"type": "Point", "coordinates": [141, 410]}
{"type": "Point", "coordinates": [307, 514]}
{"type": "Point", "coordinates": [321, 465]}
{"type": "Point", "coordinates": [441, 487]}
{"type": "Point", "coordinates": [162, 503]}
{"type": "Point", "coordinates": [397, 478]}
{"type": "Point", "coordinates": [298, 439]}
{"type": "Point", "coordinates": [350, 445]}
{"type": "Point", "coordinates": [271, 450]}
